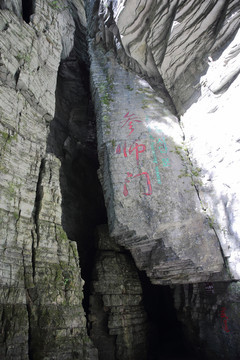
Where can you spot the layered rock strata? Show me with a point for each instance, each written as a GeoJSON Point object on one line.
{"type": "Point", "coordinates": [120, 26]}
{"type": "Point", "coordinates": [191, 50]}
{"type": "Point", "coordinates": [148, 182]}
{"type": "Point", "coordinates": [41, 286]}
{"type": "Point", "coordinates": [169, 182]}
{"type": "Point", "coordinates": [117, 318]}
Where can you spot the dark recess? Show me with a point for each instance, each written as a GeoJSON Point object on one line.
{"type": "Point", "coordinates": [27, 9]}
{"type": "Point", "coordinates": [166, 339]}
{"type": "Point", "coordinates": [73, 140]}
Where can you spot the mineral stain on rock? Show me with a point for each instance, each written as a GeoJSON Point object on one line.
{"type": "Point", "coordinates": [119, 194]}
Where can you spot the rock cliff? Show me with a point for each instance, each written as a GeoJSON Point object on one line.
{"type": "Point", "coordinates": [119, 187]}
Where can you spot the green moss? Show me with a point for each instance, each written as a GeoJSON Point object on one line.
{"type": "Point", "coordinates": [104, 91]}
{"type": "Point", "coordinates": [7, 137]}
{"type": "Point", "coordinates": [4, 135]}
{"type": "Point", "coordinates": [101, 88]}
{"type": "Point", "coordinates": [58, 276]}
{"type": "Point", "coordinates": [110, 82]}
{"type": "Point", "coordinates": [3, 169]}
{"type": "Point", "coordinates": [74, 249]}
{"type": "Point", "coordinates": [54, 5]}
{"type": "Point", "coordinates": [197, 182]}
{"type": "Point", "coordinates": [16, 215]}
{"type": "Point", "coordinates": [113, 143]}
{"type": "Point", "coordinates": [11, 191]}
{"type": "Point", "coordinates": [184, 174]}
{"type": "Point", "coordinates": [128, 87]}
{"type": "Point", "coordinates": [66, 281]}
{"type": "Point", "coordinates": [106, 99]}
{"type": "Point", "coordinates": [61, 233]}
{"type": "Point", "coordinates": [23, 57]}
{"type": "Point", "coordinates": [178, 150]}
{"type": "Point", "coordinates": [196, 171]}
{"type": "Point", "coordinates": [211, 221]}
{"type": "Point", "coordinates": [107, 124]}
{"type": "Point", "coordinates": [145, 103]}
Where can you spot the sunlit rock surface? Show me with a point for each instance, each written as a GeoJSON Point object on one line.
{"type": "Point", "coordinates": [175, 38]}
{"type": "Point", "coordinates": [188, 52]}
{"type": "Point", "coordinates": [153, 207]}
{"type": "Point", "coordinates": [211, 127]}
{"type": "Point", "coordinates": [175, 44]}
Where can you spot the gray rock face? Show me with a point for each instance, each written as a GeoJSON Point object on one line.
{"type": "Point", "coordinates": [175, 39]}
{"type": "Point", "coordinates": [117, 318]}
{"type": "Point", "coordinates": [40, 285]}
{"type": "Point", "coordinates": [148, 179]}
{"type": "Point", "coordinates": [14, 5]}
{"type": "Point", "coordinates": [172, 194]}
{"type": "Point", "coordinates": [121, 27]}
{"type": "Point", "coordinates": [164, 82]}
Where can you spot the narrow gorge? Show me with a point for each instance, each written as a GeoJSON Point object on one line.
{"type": "Point", "coordinates": [119, 179]}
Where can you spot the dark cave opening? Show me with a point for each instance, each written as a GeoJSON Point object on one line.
{"type": "Point", "coordinates": [166, 338]}
{"type": "Point", "coordinates": [27, 9]}
{"type": "Point", "coordinates": [73, 140]}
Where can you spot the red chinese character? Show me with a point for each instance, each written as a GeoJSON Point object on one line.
{"type": "Point", "coordinates": [130, 120]}
{"type": "Point", "coordinates": [129, 175]}
{"type": "Point", "coordinates": [140, 148]}
{"type": "Point", "coordinates": [118, 150]}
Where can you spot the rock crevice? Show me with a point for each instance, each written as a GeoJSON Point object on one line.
{"type": "Point", "coordinates": [89, 135]}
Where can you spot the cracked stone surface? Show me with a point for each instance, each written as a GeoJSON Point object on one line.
{"type": "Point", "coordinates": [41, 289]}
{"type": "Point", "coordinates": [165, 86]}
{"type": "Point", "coordinates": [189, 231]}
{"type": "Point", "coordinates": [117, 317]}
{"type": "Point", "coordinates": [192, 46]}
{"type": "Point", "coordinates": [149, 184]}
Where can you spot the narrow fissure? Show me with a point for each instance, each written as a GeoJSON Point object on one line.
{"type": "Point", "coordinates": [27, 9]}
{"type": "Point", "coordinates": [28, 308]}
{"type": "Point", "coordinates": [73, 140]}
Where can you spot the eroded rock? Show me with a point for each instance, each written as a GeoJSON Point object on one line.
{"type": "Point", "coordinates": [117, 317]}
{"type": "Point", "coordinates": [41, 283]}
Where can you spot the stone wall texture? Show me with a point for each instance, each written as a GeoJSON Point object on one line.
{"type": "Point", "coordinates": [165, 93]}
{"type": "Point", "coordinates": [163, 79]}
{"type": "Point", "coordinates": [41, 287]}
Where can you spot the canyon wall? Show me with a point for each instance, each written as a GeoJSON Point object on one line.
{"type": "Point", "coordinates": [41, 286]}
{"type": "Point", "coordinates": [119, 157]}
